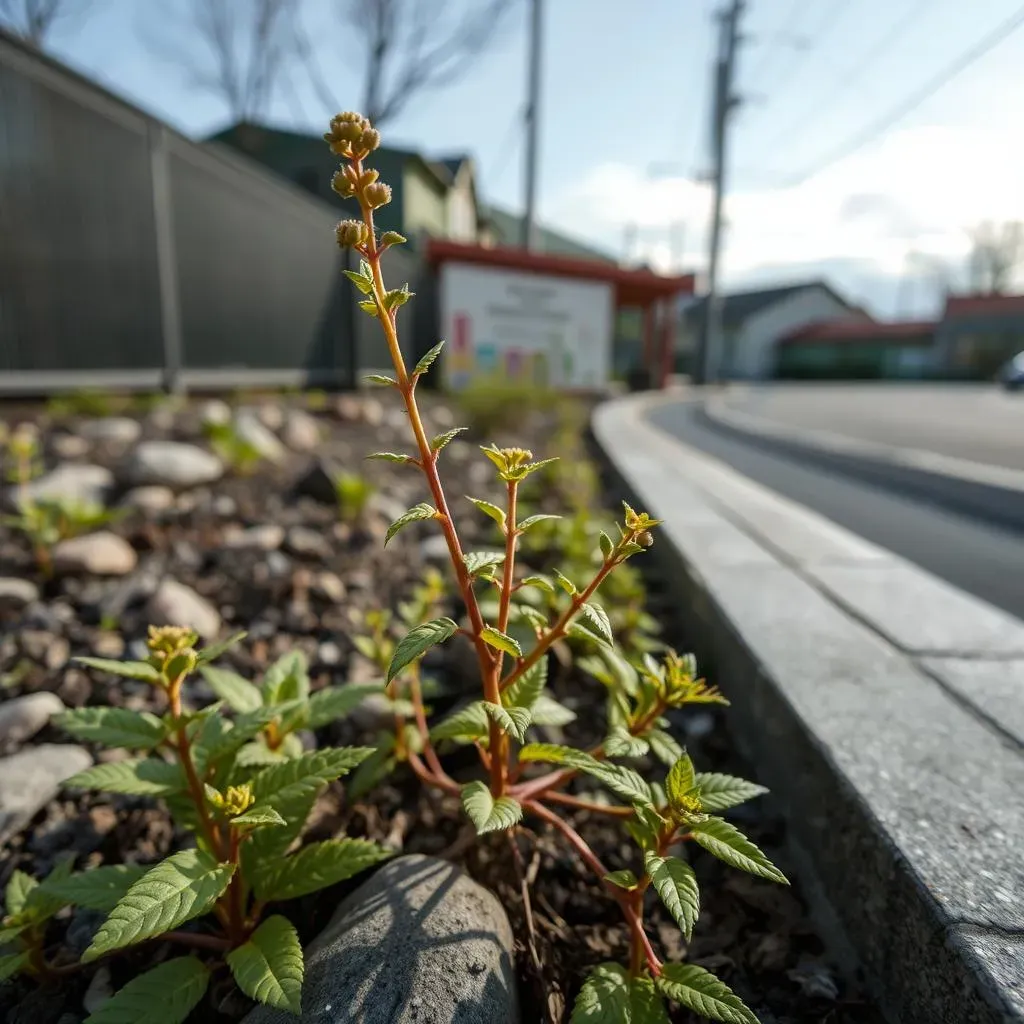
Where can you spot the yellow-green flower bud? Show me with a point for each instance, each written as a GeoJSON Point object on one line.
{"type": "Point", "coordinates": [368, 177]}
{"type": "Point", "coordinates": [343, 184]}
{"type": "Point", "coordinates": [170, 639]}
{"type": "Point", "coordinates": [377, 194]}
{"type": "Point", "coordinates": [352, 233]}
{"type": "Point", "coordinates": [369, 140]}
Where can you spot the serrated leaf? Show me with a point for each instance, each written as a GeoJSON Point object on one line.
{"type": "Point", "coordinates": [19, 885]}
{"type": "Point", "coordinates": [373, 770]}
{"type": "Point", "coordinates": [178, 889]}
{"type": "Point", "coordinates": [425, 363]}
{"type": "Point", "coordinates": [127, 669]}
{"type": "Point", "coordinates": [286, 680]}
{"type": "Point", "coordinates": [676, 884]}
{"type": "Point", "coordinates": [514, 721]}
{"type": "Point", "coordinates": [368, 306]}
{"type": "Point", "coordinates": [257, 755]}
{"type": "Point", "coordinates": [534, 520]}
{"type": "Point", "coordinates": [480, 561]}
{"type": "Point", "coordinates": [165, 995]}
{"type": "Point", "coordinates": [212, 651]}
{"type": "Point", "coordinates": [489, 509]}
{"type": "Point", "coordinates": [146, 777]}
{"type": "Point", "coordinates": [526, 690]}
{"type": "Point", "coordinates": [534, 466]}
{"type": "Point", "coordinates": [565, 583]}
{"type": "Point", "coordinates": [500, 641]}
{"type": "Point", "coordinates": [680, 784]}
{"type": "Point", "coordinates": [237, 692]}
{"type": "Point", "coordinates": [702, 992]}
{"type": "Point", "coordinates": [416, 514]}
{"type": "Point", "coordinates": [96, 889]}
{"type": "Point", "coordinates": [541, 582]}
{"type": "Point", "coordinates": [333, 702]}
{"type": "Point", "coordinates": [620, 742]}
{"type": "Point", "coordinates": [720, 792]}
{"type": "Point", "coordinates": [624, 879]}
{"type": "Point", "coordinates": [113, 727]}
{"type": "Point", "coordinates": [419, 640]}
{"type": "Point", "coordinates": [547, 711]}
{"type": "Point", "coordinates": [526, 613]}
{"type": "Point", "coordinates": [665, 748]}
{"type": "Point", "coordinates": [390, 238]}
{"type": "Point", "coordinates": [379, 378]}
{"type": "Point", "coordinates": [468, 723]}
{"type": "Point", "coordinates": [391, 457]}
{"type": "Point", "coordinates": [486, 813]}
{"type": "Point", "coordinates": [446, 438]}
{"type": "Point", "coordinates": [359, 281]}
{"type": "Point", "coordinates": [609, 996]}
{"type": "Point", "coordinates": [315, 867]}
{"type": "Point", "coordinates": [596, 620]}
{"type": "Point", "coordinates": [10, 965]}
{"type": "Point", "coordinates": [219, 737]}
{"type": "Point", "coordinates": [607, 544]}
{"type": "Point", "coordinates": [257, 817]}
{"type": "Point", "coordinates": [728, 844]}
{"type": "Point", "coordinates": [622, 781]}
{"type": "Point", "coordinates": [269, 967]}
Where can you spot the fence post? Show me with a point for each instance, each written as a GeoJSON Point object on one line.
{"type": "Point", "coordinates": [166, 257]}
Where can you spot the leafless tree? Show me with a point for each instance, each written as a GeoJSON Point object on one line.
{"type": "Point", "coordinates": [33, 19]}
{"type": "Point", "coordinates": [233, 49]}
{"type": "Point", "coordinates": [997, 252]}
{"type": "Point", "coordinates": [410, 46]}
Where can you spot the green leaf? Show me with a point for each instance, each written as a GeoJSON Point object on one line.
{"type": "Point", "coordinates": [702, 992]}
{"type": "Point", "coordinates": [368, 306]}
{"type": "Point", "coordinates": [680, 784]}
{"type": "Point", "coordinates": [19, 885]}
{"type": "Point", "coordinates": [178, 889]}
{"type": "Point", "coordinates": [624, 879]}
{"type": "Point", "coordinates": [489, 509]}
{"type": "Point", "coordinates": [514, 721]}
{"type": "Point", "coordinates": [533, 521]}
{"type": "Point", "coordinates": [391, 457]}
{"type": "Point", "coordinates": [12, 964]}
{"type": "Point", "coordinates": [113, 727]}
{"type": "Point", "coordinates": [220, 737]}
{"type": "Point", "coordinates": [622, 781]}
{"type": "Point", "coordinates": [359, 281]}
{"type": "Point", "coordinates": [333, 702]}
{"type": "Point", "coordinates": [416, 514]}
{"type": "Point", "coordinates": [377, 767]}
{"type": "Point", "coordinates": [446, 438]}
{"type": "Point", "coordinates": [146, 777]}
{"type": "Point", "coordinates": [607, 545]}
{"type": "Point", "coordinates": [128, 669]}
{"type": "Point", "coordinates": [486, 813]}
{"type": "Point", "coordinates": [258, 755]}
{"type": "Point", "coordinates": [390, 238]}
{"type": "Point", "coordinates": [165, 995]}
{"type": "Point", "coordinates": [728, 844]}
{"type": "Point", "coordinates": [468, 723]}
{"type": "Point", "coordinates": [552, 753]}
{"type": "Point", "coordinates": [238, 693]}
{"type": "Point", "coordinates": [269, 967]}
{"type": "Point", "coordinates": [547, 711]}
{"type": "Point", "coordinates": [286, 680]}
{"type": "Point", "coordinates": [478, 562]}
{"type": "Point", "coordinates": [500, 641]}
{"type": "Point", "coordinates": [418, 641]}
{"type": "Point", "coordinates": [665, 747]}
{"type": "Point", "coordinates": [541, 582]}
{"type": "Point", "coordinates": [315, 867]}
{"type": "Point", "coordinates": [212, 651]}
{"type": "Point", "coordinates": [676, 884]}
{"type": "Point", "coordinates": [595, 618]}
{"type": "Point", "coordinates": [565, 583]}
{"type": "Point", "coordinates": [257, 817]}
{"type": "Point", "coordinates": [397, 297]}
{"type": "Point", "coordinates": [720, 792]}
{"type": "Point", "coordinates": [526, 690]}
{"type": "Point", "coordinates": [425, 363]}
{"type": "Point", "coordinates": [379, 378]}
{"type": "Point", "coordinates": [609, 996]}
{"type": "Point", "coordinates": [620, 742]}
{"type": "Point", "coordinates": [96, 889]}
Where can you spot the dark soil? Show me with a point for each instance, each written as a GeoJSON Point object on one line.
{"type": "Point", "coordinates": [755, 935]}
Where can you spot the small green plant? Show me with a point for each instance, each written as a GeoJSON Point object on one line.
{"type": "Point", "coordinates": [495, 404]}
{"type": "Point", "coordinates": [234, 450]}
{"type": "Point", "coordinates": [85, 403]}
{"type": "Point", "coordinates": [245, 818]}
{"type": "Point", "coordinates": [660, 815]}
{"type": "Point", "coordinates": [316, 400]}
{"type": "Point", "coordinates": [354, 493]}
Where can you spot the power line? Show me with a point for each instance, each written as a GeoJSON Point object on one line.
{"type": "Point", "coordinates": [835, 15]}
{"type": "Point", "coordinates": [882, 124]}
{"type": "Point", "coordinates": [794, 17]}
{"type": "Point", "coordinates": [509, 144]}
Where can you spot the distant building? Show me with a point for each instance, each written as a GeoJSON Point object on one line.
{"type": "Point", "coordinates": [753, 322]}
{"type": "Point", "coordinates": [506, 228]}
{"type": "Point", "coordinates": [978, 333]}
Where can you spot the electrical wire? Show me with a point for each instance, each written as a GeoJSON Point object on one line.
{"type": "Point", "coordinates": [787, 33]}
{"type": "Point", "coordinates": [911, 103]}
{"type": "Point", "coordinates": [834, 17]}
{"type": "Point", "coordinates": [509, 144]}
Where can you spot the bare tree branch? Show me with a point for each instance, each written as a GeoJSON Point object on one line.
{"type": "Point", "coordinates": [33, 19]}
{"type": "Point", "coordinates": [996, 254]}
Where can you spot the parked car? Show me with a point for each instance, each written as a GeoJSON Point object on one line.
{"type": "Point", "coordinates": [1011, 376]}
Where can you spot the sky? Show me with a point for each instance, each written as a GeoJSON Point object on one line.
{"type": "Point", "coordinates": [624, 127]}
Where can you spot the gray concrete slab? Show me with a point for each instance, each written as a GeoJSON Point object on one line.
{"type": "Point", "coordinates": [995, 688]}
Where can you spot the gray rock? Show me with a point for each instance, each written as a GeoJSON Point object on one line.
{"type": "Point", "coordinates": [271, 415]}
{"type": "Point", "coordinates": [174, 604]}
{"type": "Point", "coordinates": [31, 778]}
{"type": "Point", "coordinates": [301, 432]}
{"type": "Point", "coordinates": [16, 592]}
{"type": "Point", "coordinates": [111, 430]}
{"type": "Point", "coordinates": [215, 413]}
{"type": "Point", "coordinates": [434, 548]}
{"type": "Point", "coordinates": [419, 943]}
{"type": "Point", "coordinates": [329, 586]}
{"type": "Point", "coordinates": [348, 409]}
{"type": "Point", "coordinates": [443, 417]}
{"type": "Point", "coordinates": [101, 554]}
{"type": "Point", "coordinates": [327, 653]}
{"type": "Point", "coordinates": [151, 499]}
{"type": "Point", "coordinates": [317, 482]}
{"type": "Point", "coordinates": [22, 717]}
{"type": "Point", "coordinates": [69, 446]}
{"type": "Point", "coordinates": [390, 508]}
{"type": "Point", "coordinates": [49, 649]}
{"type": "Point", "coordinates": [253, 432]}
{"type": "Point", "coordinates": [73, 481]}
{"type": "Point", "coordinates": [224, 505]}
{"type": "Point", "coordinates": [307, 543]}
{"type": "Point", "coordinates": [373, 412]}
{"type": "Point", "coordinates": [265, 537]}
{"type": "Point", "coordinates": [173, 464]}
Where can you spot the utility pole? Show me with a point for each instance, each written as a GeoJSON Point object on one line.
{"type": "Point", "coordinates": [530, 236]}
{"type": "Point", "coordinates": [629, 240]}
{"type": "Point", "coordinates": [708, 349]}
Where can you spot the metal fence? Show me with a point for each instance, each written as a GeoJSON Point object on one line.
{"type": "Point", "coordinates": [133, 257]}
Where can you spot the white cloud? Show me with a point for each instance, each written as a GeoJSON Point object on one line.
{"type": "Point", "coordinates": [917, 190]}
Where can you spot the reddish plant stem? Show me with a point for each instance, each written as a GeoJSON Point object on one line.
{"type": "Point", "coordinates": [214, 942]}
{"type": "Point", "coordinates": [235, 895]}
{"type": "Point", "coordinates": [588, 805]}
{"type": "Point", "coordinates": [427, 776]}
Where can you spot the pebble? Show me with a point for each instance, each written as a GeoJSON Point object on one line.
{"type": "Point", "coordinates": [100, 989]}
{"type": "Point", "coordinates": [266, 537]}
{"type": "Point", "coordinates": [48, 649]}
{"type": "Point", "coordinates": [101, 554]}
{"type": "Point", "coordinates": [443, 417]}
{"type": "Point", "coordinates": [73, 481]}
{"type": "Point", "coordinates": [22, 717]}
{"type": "Point", "coordinates": [173, 464]}
{"type": "Point", "coordinates": [224, 505]}
{"type": "Point", "coordinates": [307, 543]}
{"type": "Point", "coordinates": [329, 586]}
{"type": "Point", "coordinates": [373, 412]}
{"type": "Point", "coordinates": [317, 482]}
{"type": "Point", "coordinates": [175, 604]}
{"type": "Point", "coordinates": [215, 413]}
{"type": "Point", "coordinates": [271, 415]}
{"type": "Point", "coordinates": [348, 409]}
{"type": "Point", "coordinates": [16, 592]}
{"type": "Point", "coordinates": [69, 446]}
{"type": "Point", "coordinates": [253, 432]}
{"type": "Point", "coordinates": [31, 778]}
{"type": "Point", "coordinates": [434, 548]}
{"type": "Point", "coordinates": [301, 432]}
{"type": "Point", "coordinates": [152, 498]}
{"type": "Point", "coordinates": [111, 430]}
{"type": "Point", "coordinates": [329, 653]}
{"type": "Point", "coordinates": [108, 645]}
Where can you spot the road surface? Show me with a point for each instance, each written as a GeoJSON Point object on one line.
{"type": "Point", "coordinates": [980, 558]}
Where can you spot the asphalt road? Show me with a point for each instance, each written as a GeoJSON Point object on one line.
{"type": "Point", "coordinates": [979, 422]}
{"type": "Point", "coordinates": [977, 557]}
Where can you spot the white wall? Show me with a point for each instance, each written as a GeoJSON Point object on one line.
{"type": "Point", "coordinates": [461, 210]}
{"type": "Point", "coordinates": [752, 354]}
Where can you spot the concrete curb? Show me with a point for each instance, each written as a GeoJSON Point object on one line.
{"type": "Point", "coordinates": [881, 706]}
{"type": "Point", "coordinates": [994, 493]}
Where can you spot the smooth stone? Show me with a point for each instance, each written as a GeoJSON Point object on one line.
{"type": "Point", "coordinates": [215, 413]}
{"type": "Point", "coordinates": [101, 554]}
{"type": "Point", "coordinates": [434, 548]}
{"type": "Point", "coordinates": [174, 604]}
{"type": "Point", "coordinates": [151, 498]}
{"type": "Point", "coordinates": [419, 943]}
{"type": "Point", "coordinates": [329, 586]}
{"type": "Point", "coordinates": [69, 446]}
{"type": "Point", "coordinates": [16, 592]}
{"type": "Point", "coordinates": [31, 778]}
{"type": "Point", "coordinates": [317, 482]}
{"type": "Point", "coordinates": [173, 464]}
{"type": "Point", "coordinates": [301, 432]}
{"type": "Point", "coordinates": [22, 717]}
{"type": "Point", "coordinates": [307, 543]}
{"type": "Point", "coordinates": [265, 537]}
{"type": "Point", "coordinates": [271, 415]}
{"type": "Point", "coordinates": [254, 433]}
{"type": "Point", "coordinates": [373, 412]}
{"type": "Point", "coordinates": [72, 481]}
{"type": "Point", "coordinates": [111, 430]}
